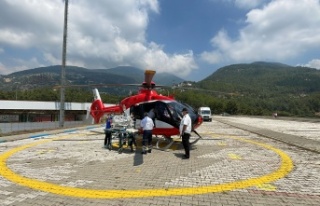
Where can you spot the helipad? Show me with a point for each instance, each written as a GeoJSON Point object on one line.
{"type": "Point", "coordinates": [75, 165]}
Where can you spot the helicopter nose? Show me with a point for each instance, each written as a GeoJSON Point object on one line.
{"type": "Point", "coordinates": [199, 121]}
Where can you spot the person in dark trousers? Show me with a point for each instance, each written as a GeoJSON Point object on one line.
{"type": "Point", "coordinates": [146, 125]}
{"type": "Point", "coordinates": [108, 133]}
{"type": "Point", "coordinates": [185, 131]}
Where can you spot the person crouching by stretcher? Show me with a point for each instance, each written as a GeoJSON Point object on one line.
{"type": "Point", "coordinates": [108, 133]}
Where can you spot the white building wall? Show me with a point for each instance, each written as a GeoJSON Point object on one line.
{"type": "Point", "coordinates": [10, 127]}
{"type": "Point", "coordinates": [38, 105]}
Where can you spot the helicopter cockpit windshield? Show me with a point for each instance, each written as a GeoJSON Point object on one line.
{"type": "Point", "coordinates": [178, 106]}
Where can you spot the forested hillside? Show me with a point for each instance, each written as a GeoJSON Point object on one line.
{"type": "Point", "coordinates": [262, 78]}
{"type": "Point", "coordinates": [258, 88]}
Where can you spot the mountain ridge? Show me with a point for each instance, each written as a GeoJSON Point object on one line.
{"type": "Point", "coordinates": [258, 88]}
{"type": "Point", "coordinates": [50, 76]}
{"type": "Point", "coordinates": [246, 78]}
{"type": "Point", "coordinates": [273, 77]}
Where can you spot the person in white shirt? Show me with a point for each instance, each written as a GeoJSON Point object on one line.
{"type": "Point", "coordinates": [146, 125]}
{"type": "Point", "coordinates": [185, 131]}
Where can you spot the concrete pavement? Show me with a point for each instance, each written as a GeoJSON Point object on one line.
{"type": "Point", "coordinates": [229, 166]}
{"type": "Point", "coordinates": [296, 140]}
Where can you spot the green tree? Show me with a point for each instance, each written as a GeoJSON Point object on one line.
{"type": "Point", "coordinates": [231, 107]}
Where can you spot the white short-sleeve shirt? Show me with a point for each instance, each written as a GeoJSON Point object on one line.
{"type": "Point", "coordinates": [146, 123]}
{"type": "Point", "coordinates": [186, 120]}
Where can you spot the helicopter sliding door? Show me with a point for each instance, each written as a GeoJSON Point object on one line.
{"type": "Point", "coordinates": [137, 112]}
{"type": "Point", "coordinates": [159, 111]}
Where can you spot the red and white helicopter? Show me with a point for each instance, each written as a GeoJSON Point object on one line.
{"type": "Point", "coordinates": [167, 111]}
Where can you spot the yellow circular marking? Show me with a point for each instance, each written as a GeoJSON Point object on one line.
{"type": "Point", "coordinates": [284, 168]}
{"type": "Point", "coordinates": [234, 156]}
{"type": "Point", "coordinates": [267, 187]}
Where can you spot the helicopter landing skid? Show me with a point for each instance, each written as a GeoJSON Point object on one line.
{"type": "Point", "coordinates": [196, 140]}
{"type": "Point", "coordinates": [164, 139]}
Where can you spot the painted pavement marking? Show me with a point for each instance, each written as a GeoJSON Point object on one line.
{"type": "Point", "coordinates": [263, 181]}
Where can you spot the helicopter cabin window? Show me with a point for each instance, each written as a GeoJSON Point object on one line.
{"type": "Point", "coordinates": [166, 112]}
{"type": "Point", "coordinates": [159, 109]}
{"type": "Point", "coordinates": [169, 112]}
{"type": "Point", "coordinates": [175, 111]}
{"type": "Point", "coordinates": [138, 110]}
{"type": "Point", "coordinates": [177, 108]}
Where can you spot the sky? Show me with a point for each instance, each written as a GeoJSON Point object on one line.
{"type": "Point", "coordinates": [188, 38]}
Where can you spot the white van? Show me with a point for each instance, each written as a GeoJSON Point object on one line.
{"type": "Point", "coordinates": [205, 113]}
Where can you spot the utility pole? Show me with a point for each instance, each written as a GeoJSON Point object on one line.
{"type": "Point", "coordinates": [16, 83]}
{"type": "Point", "coordinates": [63, 67]}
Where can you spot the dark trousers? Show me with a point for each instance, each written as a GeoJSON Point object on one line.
{"type": "Point", "coordinates": [132, 141]}
{"type": "Point", "coordinates": [186, 144]}
{"type": "Point", "coordinates": [107, 139]}
{"type": "Point", "coordinates": [147, 140]}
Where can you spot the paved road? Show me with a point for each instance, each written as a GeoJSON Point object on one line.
{"type": "Point", "coordinates": [303, 133]}
{"type": "Point", "coordinates": [229, 166]}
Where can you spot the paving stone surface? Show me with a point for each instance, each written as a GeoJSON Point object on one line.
{"type": "Point", "coordinates": [239, 161]}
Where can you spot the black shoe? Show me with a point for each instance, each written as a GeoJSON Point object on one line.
{"type": "Point", "coordinates": [149, 151]}
{"type": "Point", "coordinates": [185, 157]}
{"type": "Point", "coordinates": [144, 152]}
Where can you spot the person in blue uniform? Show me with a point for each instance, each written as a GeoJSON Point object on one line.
{"type": "Point", "coordinates": [108, 133]}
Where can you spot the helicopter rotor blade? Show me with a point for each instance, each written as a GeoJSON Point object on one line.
{"type": "Point", "coordinates": [148, 83]}
{"type": "Point", "coordinates": [95, 85]}
{"type": "Point", "coordinates": [106, 85]}
{"type": "Point", "coordinates": [207, 91]}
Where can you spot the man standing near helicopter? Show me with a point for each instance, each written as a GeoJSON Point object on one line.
{"type": "Point", "coordinates": [146, 125]}
{"type": "Point", "coordinates": [185, 130]}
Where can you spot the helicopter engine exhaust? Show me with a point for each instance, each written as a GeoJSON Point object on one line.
{"type": "Point", "coordinates": [148, 75]}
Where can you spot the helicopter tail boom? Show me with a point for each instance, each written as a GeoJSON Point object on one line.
{"type": "Point", "coordinates": [97, 109]}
